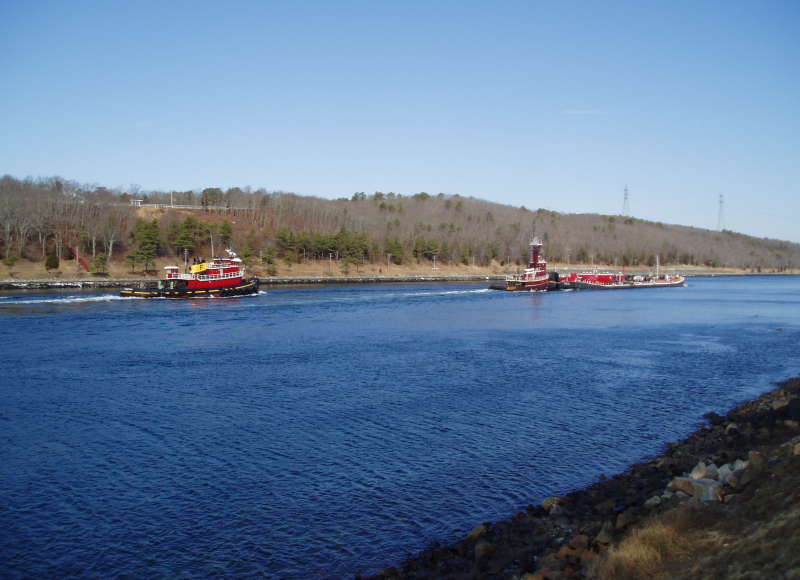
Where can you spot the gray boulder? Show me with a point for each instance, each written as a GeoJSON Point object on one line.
{"type": "Point", "coordinates": [701, 488]}
{"type": "Point", "coordinates": [704, 471]}
{"type": "Point", "coordinates": [653, 502]}
{"type": "Point", "coordinates": [724, 473]}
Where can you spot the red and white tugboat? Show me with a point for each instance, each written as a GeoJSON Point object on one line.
{"type": "Point", "coordinates": [534, 278]}
{"type": "Point", "coordinates": [218, 277]}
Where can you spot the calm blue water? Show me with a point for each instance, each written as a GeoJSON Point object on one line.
{"type": "Point", "coordinates": [322, 432]}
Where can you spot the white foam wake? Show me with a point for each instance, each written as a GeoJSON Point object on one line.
{"type": "Point", "coordinates": [72, 299]}
{"type": "Point", "coordinates": [447, 292]}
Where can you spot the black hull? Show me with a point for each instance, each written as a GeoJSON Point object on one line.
{"type": "Point", "coordinates": [634, 286]}
{"type": "Point", "coordinates": [241, 289]}
{"type": "Point", "coordinates": [518, 288]}
{"type": "Point", "coordinates": [552, 285]}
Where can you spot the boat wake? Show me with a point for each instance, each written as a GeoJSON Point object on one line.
{"type": "Point", "coordinates": [7, 301]}
{"type": "Point", "coordinates": [412, 294]}
{"type": "Point", "coordinates": [369, 297]}
{"type": "Point", "coordinates": [446, 292]}
{"type": "Point", "coordinates": [73, 299]}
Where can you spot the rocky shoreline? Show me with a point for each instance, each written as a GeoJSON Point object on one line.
{"type": "Point", "coordinates": [722, 465]}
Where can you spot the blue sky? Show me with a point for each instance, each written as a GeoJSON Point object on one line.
{"type": "Point", "coordinates": [543, 104]}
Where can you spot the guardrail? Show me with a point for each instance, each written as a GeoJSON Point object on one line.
{"type": "Point", "coordinates": [176, 206]}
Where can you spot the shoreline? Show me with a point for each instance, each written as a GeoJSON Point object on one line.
{"type": "Point", "coordinates": [49, 284]}
{"type": "Point", "coordinates": [90, 283]}
{"type": "Point", "coordinates": [729, 466]}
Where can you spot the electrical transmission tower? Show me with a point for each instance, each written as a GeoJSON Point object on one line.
{"type": "Point", "coordinates": [721, 213]}
{"type": "Point", "coordinates": [626, 204]}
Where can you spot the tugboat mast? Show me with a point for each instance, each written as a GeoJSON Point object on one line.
{"type": "Point", "coordinates": [536, 249]}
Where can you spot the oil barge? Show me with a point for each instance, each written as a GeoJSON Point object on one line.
{"type": "Point", "coordinates": [619, 281]}
{"type": "Point", "coordinates": [205, 279]}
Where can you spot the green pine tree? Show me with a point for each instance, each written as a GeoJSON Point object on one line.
{"type": "Point", "coordinates": [51, 262]}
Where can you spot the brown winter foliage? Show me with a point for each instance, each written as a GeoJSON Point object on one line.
{"type": "Point", "coordinates": [53, 215]}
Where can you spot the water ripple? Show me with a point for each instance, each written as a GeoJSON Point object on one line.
{"type": "Point", "coordinates": [323, 432]}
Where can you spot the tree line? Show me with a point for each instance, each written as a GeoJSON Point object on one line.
{"type": "Point", "coordinates": [53, 219]}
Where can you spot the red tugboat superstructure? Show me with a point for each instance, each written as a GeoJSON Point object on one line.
{"type": "Point", "coordinates": [218, 277]}
{"type": "Point", "coordinates": [534, 278]}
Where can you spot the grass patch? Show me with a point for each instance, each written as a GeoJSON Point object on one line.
{"type": "Point", "coordinates": [757, 536]}
{"type": "Point", "coordinates": [661, 544]}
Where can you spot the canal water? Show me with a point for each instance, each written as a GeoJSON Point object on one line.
{"type": "Point", "coordinates": [328, 431]}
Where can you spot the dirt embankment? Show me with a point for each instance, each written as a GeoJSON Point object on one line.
{"type": "Point", "coordinates": [723, 503]}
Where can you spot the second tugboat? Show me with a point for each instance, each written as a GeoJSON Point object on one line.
{"type": "Point", "coordinates": [534, 278]}
{"type": "Point", "coordinates": [219, 277]}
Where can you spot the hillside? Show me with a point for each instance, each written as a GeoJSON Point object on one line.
{"type": "Point", "coordinates": [48, 221]}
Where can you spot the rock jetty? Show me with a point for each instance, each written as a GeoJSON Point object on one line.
{"type": "Point", "coordinates": [723, 463]}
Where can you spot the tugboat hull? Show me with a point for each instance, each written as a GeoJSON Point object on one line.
{"type": "Point", "coordinates": [522, 285]}
{"type": "Point", "coordinates": [242, 288]}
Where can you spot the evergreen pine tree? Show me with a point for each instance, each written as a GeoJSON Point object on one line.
{"type": "Point", "coordinates": [51, 262]}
